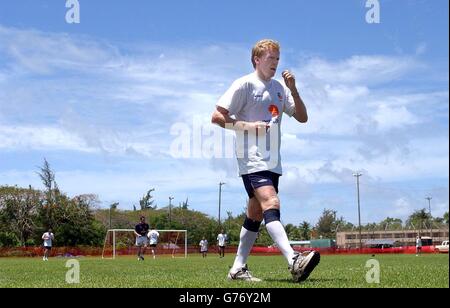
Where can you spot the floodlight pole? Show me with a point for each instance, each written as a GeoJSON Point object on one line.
{"type": "Point", "coordinates": [357, 175]}
{"type": "Point", "coordinates": [220, 198]}
{"type": "Point", "coordinates": [170, 211]}
{"type": "Point", "coordinates": [431, 217]}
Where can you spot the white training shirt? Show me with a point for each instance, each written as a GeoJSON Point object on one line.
{"type": "Point", "coordinates": [418, 242]}
{"type": "Point", "coordinates": [221, 238]}
{"type": "Point", "coordinates": [153, 235]}
{"type": "Point", "coordinates": [203, 245]}
{"type": "Point", "coordinates": [48, 237]}
{"type": "Point", "coordinates": [251, 99]}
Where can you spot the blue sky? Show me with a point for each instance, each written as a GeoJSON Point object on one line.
{"type": "Point", "coordinates": [99, 100]}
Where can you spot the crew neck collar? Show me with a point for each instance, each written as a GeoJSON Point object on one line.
{"type": "Point", "coordinates": [266, 82]}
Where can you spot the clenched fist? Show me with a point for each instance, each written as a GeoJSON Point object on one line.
{"type": "Point", "coordinates": [289, 79]}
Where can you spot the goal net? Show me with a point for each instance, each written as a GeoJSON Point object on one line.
{"type": "Point", "coordinates": [122, 242]}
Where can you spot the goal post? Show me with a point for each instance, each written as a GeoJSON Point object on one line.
{"type": "Point", "coordinates": [119, 242]}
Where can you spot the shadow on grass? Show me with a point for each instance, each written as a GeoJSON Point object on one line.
{"type": "Point", "coordinates": [310, 280]}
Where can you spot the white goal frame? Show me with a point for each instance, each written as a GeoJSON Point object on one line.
{"type": "Point", "coordinates": [132, 230]}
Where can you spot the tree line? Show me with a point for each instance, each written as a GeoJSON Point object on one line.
{"type": "Point", "coordinates": [26, 213]}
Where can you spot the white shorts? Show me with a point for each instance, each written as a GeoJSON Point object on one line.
{"type": "Point", "coordinates": [142, 241]}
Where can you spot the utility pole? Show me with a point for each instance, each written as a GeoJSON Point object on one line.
{"type": "Point", "coordinates": [357, 175]}
{"type": "Point", "coordinates": [431, 217]}
{"type": "Point", "coordinates": [220, 199]}
{"type": "Point", "coordinates": [170, 211]}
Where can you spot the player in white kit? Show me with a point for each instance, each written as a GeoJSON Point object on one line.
{"type": "Point", "coordinates": [204, 247]}
{"type": "Point", "coordinates": [153, 237]}
{"type": "Point", "coordinates": [48, 238]}
{"type": "Point", "coordinates": [253, 107]}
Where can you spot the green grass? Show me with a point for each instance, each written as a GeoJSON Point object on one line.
{"type": "Point", "coordinates": [194, 272]}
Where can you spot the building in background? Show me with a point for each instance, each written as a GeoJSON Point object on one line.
{"type": "Point", "coordinates": [390, 237]}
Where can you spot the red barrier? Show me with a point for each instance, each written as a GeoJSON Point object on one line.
{"type": "Point", "coordinates": [330, 250]}
{"type": "Point", "coordinates": [56, 251]}
{"type": "Point", "coordinates": [97, 251]}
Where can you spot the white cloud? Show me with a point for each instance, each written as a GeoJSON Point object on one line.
{"type": "Point", "coordinates": [357, 119]}
{"type": "Point", "coordinates": [388, 118]}
{"type": "Point", "coordinates": [34, 137]}
{"type": "Point", "coordinates": [370, 70]}
{"type": "Point", "coordinates": [46, 53]}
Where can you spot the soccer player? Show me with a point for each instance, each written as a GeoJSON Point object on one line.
{"type": "Point", "coordinates": [153, 237]}
{"type": "Point", "coordinates": [253, 107]}
{"type": "Point", "coordinates": [221, 241]}
{"type": "Point", "coordinates": [140, 231]}
{"type": "Point", "coordinates": [418, 245]}
{"type": "Point", "coordinates": [204, 247]}
{"type": "Point", "coordinates": [48, 238]}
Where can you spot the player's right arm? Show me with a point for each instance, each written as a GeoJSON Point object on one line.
{"type": "Point", "coordinates": [221, 117]}
{"type": "Point", "coordinates": [231, 103]}
{"type": "Point", "coordinates": [136, 233]}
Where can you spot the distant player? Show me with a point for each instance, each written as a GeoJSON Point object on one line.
{"type": "Point", "coordinates": [153, 237]}
{"type": "Point", "coordinates": [204, 247]}
{"type": "Point", "coordinates": [141, 231]}
{"type": "Point", "coordinates": [48, 238]}
{"type": "Point", "coordinates": [418, 245]}
{"type": "Point", "coordinates": [221, 241]}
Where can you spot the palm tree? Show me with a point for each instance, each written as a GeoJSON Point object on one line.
{"type": "Point", "coordinates": [419, 218]}
{"type": "Point", "coordinates": [305, 231]}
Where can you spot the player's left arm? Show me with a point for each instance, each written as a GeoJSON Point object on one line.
{"type": "Point", "coordinates": [301, 113]}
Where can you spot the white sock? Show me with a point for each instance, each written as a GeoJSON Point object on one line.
{"type": "Point", "coordinates": [279, 236]}
{"type": "Point", "coordinates": [247, 239]}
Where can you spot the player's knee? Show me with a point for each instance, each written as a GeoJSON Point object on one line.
{"type": "Point", "coordinates": [271, 203]}
{"type": "Point", "coordinates": [255, 215]}
{"type": "Point", "coordinates": [254, 210]}
{"type": "Point", "coordinates": [259, 217]}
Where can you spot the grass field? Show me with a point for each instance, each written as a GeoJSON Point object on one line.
{"type": "Point", "coordinates": [194, 272]}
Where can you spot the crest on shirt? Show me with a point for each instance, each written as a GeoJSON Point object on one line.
{"type": "Point", "coordinates": [280, 97]}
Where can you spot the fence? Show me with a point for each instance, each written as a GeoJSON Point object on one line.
{"type": "Point", "coordinates": [97, 251]}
